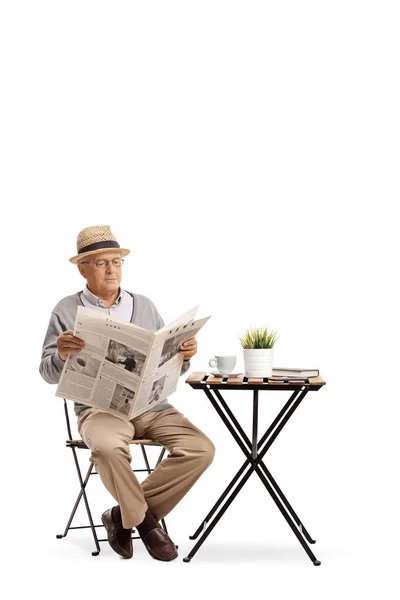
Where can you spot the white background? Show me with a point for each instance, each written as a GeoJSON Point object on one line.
{"type": "Point", "coordinates": [247, 153]}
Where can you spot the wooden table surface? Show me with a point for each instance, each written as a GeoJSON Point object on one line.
{"type": "Point", "coordinates": [200, 378]}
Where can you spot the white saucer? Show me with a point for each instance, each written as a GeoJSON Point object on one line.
{"type": "Point", "coordinates": [218, 374]}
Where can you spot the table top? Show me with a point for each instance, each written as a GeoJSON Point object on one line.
{"type": "Point", "coordinates": [199, 380]}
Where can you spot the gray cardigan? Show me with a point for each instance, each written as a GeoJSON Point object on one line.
{"type": "Point", "coordinates": [144, 314]}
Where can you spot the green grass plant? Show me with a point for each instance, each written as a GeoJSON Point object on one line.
{"type": "Point", "coordinates": [258, 338]}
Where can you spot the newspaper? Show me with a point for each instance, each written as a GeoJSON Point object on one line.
{"type": "Point", "coordinates": [125, 369]}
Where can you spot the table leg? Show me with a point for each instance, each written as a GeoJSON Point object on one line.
{"type": "Point", "coordinates": [255, 424]}
{"type": "Point", "coordinates": [212, 524]}
{"type": "Point", "coordinates": [207, 519]}
{"type": "Point", "coordinates": [287, 504]}
{"type": "Point", "coordinates": [253, 461]}
{"type": "Point", "coordinates": [275, 428]}
{"type": "Point", "coordinates": [287, 518]}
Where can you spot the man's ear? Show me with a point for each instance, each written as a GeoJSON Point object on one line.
{"type": "Point", "coordinates": [82, 270]}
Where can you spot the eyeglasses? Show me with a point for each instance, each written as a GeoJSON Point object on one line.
{"type": "Point", "coordinates": [102, 264]}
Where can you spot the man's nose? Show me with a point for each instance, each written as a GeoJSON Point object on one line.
{"type": "Point", "coordinates": [110, 267]}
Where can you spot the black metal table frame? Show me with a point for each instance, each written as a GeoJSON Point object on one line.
{"type": "Point", "coordinates": [254, 451]}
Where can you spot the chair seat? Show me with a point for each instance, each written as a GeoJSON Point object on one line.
{"type": "Point", "coordinates": [81, 443]}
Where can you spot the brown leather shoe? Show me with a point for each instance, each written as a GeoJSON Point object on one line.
{"type": "Point", "coordinates": [120, 539]}
{"type": "Point", "coordinates": [159, 545]}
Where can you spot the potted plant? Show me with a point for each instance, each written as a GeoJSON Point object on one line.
{"type": "Point", "coordinates": [257, 344]}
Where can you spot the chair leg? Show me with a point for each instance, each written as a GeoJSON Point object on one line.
{"type": "Point", "coordinates": [149, 470]}
{"type": "Point", "coordinates": [81, 494]}
{"type": "Point", "coordinates": [164, 526]}
{"type": "Point", "coordinates": [79, 498]}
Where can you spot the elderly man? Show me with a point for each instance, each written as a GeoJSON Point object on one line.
{"type": "Point", "coordinates": [99, 261]}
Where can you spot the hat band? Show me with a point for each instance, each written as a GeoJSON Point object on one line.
{"type": "Point", "coordinates": [98, 246]}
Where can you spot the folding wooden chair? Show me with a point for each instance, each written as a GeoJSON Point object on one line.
{"type": "Point", "coordinates": [79, 444]}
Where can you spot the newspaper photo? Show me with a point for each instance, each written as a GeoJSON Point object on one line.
{"type": "Point", "coordinates": [125, 369]}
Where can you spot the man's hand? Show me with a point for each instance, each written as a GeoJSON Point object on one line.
{"type": "Point", "coordinates": [67, 342]}
{"type": "Point", "coordinates": [188, 348]}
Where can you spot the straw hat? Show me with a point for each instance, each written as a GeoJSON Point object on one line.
{"type": "Point", "coordinates": [94, 240]}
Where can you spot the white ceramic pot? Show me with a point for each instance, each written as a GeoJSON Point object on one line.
{"type": "Point", "coordinates": [258, 363]}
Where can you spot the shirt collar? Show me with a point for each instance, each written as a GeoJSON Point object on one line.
{"type": "Point", "coordinates": [96, 301]}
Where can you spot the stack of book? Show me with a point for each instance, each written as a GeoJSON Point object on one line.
{"type": "Point", "coordinates": [286, 373]}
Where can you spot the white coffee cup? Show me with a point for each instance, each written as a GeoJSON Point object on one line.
{"type": "Point", "coordinates": [225, 363]}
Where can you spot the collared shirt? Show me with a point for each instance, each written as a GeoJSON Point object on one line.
{"type": "Point", "coordinates": [122, 307]}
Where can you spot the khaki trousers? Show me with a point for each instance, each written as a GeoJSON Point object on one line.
{"type": "Point", "coordinates": [108, 436]}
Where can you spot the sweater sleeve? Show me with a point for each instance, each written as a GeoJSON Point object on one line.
{"type": "Point", "coordinates": [185, 366]}
{"type": "Point", "coordinates": [52, 364]}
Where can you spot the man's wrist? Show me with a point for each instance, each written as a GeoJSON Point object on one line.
{"type": "Point", "coordinates": [57, 361]}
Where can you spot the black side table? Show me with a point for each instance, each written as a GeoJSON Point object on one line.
{"type": "Point", "coordinates": [253, 449]}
